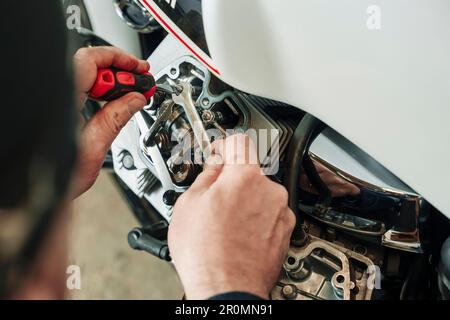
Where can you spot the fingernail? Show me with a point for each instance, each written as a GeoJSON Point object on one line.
{"type": "Point", "coordinates": [137, 103]}
{"type": "Point", "coordinates": [214, 160]}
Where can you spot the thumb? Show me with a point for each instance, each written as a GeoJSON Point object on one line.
{"type": "Point", "coordinates": [212, 170]}
{"type": "Point", "coordinates": [106, 124]}
{"type": "Point", "coordinates": [98, 135]}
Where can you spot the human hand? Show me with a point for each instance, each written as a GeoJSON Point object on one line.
{"type": "Point", "coordinates": [99, 133]}
{"type": "Point", "coordinates": [230, 231]}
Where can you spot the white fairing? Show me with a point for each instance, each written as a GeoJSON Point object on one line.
{"type": "Point", "coordinates": [107, 24]}
{"type": "Point", "coordinates": [387, 89]}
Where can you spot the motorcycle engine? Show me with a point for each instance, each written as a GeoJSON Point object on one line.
{"type": "Point", "coordinates": [350, 248]}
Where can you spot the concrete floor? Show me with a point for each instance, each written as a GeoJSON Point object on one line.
{"type": "Point", "coordinates": [110, 269]}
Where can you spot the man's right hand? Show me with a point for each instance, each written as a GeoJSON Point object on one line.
{"type": "Point", "coordinates": [230, 231]}
{"type": "Point", "coordinates": [99, 133]}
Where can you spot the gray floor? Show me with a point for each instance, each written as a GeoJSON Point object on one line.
{"type": "Point", "coordinates": [109, 268]}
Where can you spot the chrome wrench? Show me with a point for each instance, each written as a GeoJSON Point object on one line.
{"type": "Point", "coordinates": [184, 99]}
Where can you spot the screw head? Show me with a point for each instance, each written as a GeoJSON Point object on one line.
{"type": "Point", "coordinates": [289, 292]}
{"type": "Point", "coordinates": [128, 161]}
{"type": "Point", "coordinates": [205, 102]}
{"type": "Point", "coordinates": [169, 198]}
{"type": "Point", "coordinates": [207, 116]}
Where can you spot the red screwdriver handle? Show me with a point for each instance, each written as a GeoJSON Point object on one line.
{"type": "Point", "coordinates": [112, 84]}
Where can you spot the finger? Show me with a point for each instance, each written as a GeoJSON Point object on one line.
{"type": "Point", "coordinates": [111, 56]}
{"type": "Point", "coordinates": [88, 60]}
{"type": "Point", "coordinates": [213, 163]}
{"type": "Point", "coordinates": [237, 149]}
{"type": "Point", "coordinates": [285, 226]}
{"type": "Point", "coordinates": [211, 172]}
{"type": "Point", "coordinates": [289, 220]}
{"type": "Point", "coordinates": [281, 240]}
{"type": "Point", "coordinates": [143, 66]}
{"type": "Point", "coordinates": [106, 124]}
{"type": "Point", "coordinates": [104, 57]}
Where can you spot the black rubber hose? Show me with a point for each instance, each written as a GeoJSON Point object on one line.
{"type": "Point", "coordinates": [302, 138]}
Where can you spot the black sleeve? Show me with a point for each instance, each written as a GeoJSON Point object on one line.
{"type": "Point", "coordinates": [235, 296]}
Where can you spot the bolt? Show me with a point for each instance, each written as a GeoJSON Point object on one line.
{"type": "Point", "coordinates": [297, 270]}
{"type": "Point", "coordinates": [330, 234]}
{"type": "Point", "coordinates": [205, 102]}
{"type": "Point", "coordinates": [208, 116]}
{"type": "Point", "coordinates": [289, 292]}
{"type": "Point", "coordinates": [360, 249]}
{"type": "Point", "coordinates": [170, 197]}
{"type": "Point", "coordinates": [127, 161]}
{"type": "Point", "coordinates": [177, 167]}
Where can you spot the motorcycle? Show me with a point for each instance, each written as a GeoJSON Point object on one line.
{"type": "Point", "coordinates": [348, 102]}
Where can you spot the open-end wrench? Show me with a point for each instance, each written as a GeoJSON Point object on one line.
{"type": "Point", "coordinates": [165, 111]}
{"type": "Point", "coordinates": [184, 99]}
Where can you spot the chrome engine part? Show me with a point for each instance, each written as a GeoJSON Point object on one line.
{"type": "Point", "coordinates": [381, 206]}
{"type": "Point", "coordinates": [156, 151]}
{"type": "Point", "coordinates": [325, 271]}
{"type": "Point", "coordinates": [135, 16]}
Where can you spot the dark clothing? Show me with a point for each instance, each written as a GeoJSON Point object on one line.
{"type": "Point", "coordinates": [37, 133]}
{"type": "Point", "coordinates": [235, 296]}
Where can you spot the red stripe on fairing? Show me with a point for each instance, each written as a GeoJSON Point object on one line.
{"type": "Point", "coordinates": [179, 37]}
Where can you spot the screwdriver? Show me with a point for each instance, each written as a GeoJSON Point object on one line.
{"type": "Point", "coordinates": [112, 83]}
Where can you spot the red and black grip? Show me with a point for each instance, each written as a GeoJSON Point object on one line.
{"type": "Point", "coordinates": [112, 84]}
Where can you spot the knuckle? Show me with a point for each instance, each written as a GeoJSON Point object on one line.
{"type": "Point", "coordinates": [116, 50]}
{"type": "Point", "coordinates": [82, 52]}
{"type": "Point", "coordinates": [81, 55]}
{"type": "Point", "coordinates": [281, 194]}
{"type": "Point", "coordinates": [228, 187]}
{"type": "Point", "coordinates": [111, 48]}
{"type": "Point", "coordinates": [128, 61]}
{"type": "Point", "coordinates": [291, 221]}
{"type": "Point", "coordinates": [246, 176]}
{"type": "Point", "coordinates": [112, 120]}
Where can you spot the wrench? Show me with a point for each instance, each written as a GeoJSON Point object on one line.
{"type": "Point", "coordinates": [164, 115]}
{"type": "Point", "coordinates": [184, 99]}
